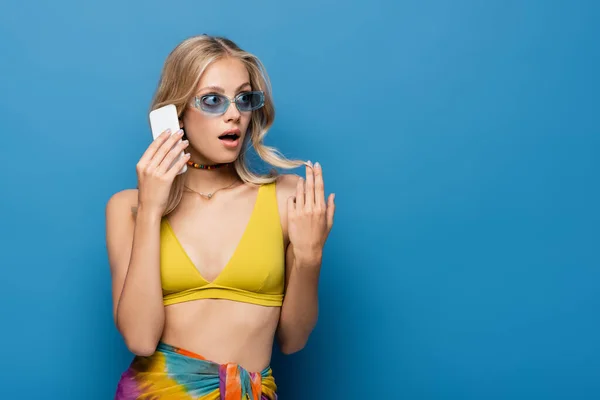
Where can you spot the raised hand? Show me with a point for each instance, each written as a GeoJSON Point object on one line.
{"type": "Point", "coordinates": [310, 217]}
{"type": "Point", "coordinates": [154, 171]}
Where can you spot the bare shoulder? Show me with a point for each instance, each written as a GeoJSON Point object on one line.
{"type": "Point", "coordinates": [120, 215]}
{"type": "Point", "coordinates": [121, 203]}
{"type": "Point", "coordinates": [286, 185]}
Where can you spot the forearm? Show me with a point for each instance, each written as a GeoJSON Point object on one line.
{"type": "Point", "coordinates": [140, 312]}
{"type": "Point", "coordinates": [300, 308]}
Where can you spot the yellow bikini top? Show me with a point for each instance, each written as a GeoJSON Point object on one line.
{"type": "Point", "coordinates": [254, 274]}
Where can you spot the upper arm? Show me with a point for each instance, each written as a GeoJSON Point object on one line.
{"type": "Point", "coordinates": [286, 187]}
{"type": "Point", "coordinates": [120, 225]}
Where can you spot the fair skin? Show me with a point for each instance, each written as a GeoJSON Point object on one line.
{"type": "Point", "coordinates": [209, 230]}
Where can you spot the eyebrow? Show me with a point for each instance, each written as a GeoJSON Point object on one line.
{"type": "Point", "coordinates": [221, 90]}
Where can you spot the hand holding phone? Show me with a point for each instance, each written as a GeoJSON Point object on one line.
{"type": "Point", "coordinates": [162, 161]}
{"type": "Point", "coordinates": [162, 119]}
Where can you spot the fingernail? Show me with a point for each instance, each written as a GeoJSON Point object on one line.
{"type": "Point", "coordinates": [317, 165]}
{"type": "Point", "coordinates": [309, 163]}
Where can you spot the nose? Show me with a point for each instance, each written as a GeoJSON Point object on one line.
{"type": "Point", "coordinates": [232, 112]}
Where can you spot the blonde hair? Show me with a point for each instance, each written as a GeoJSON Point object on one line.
{"type": "Point", "coordinates": [178, 83]}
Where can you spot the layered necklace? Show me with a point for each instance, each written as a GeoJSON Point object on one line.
{"type": "Point", "coordinates": [207, 166]}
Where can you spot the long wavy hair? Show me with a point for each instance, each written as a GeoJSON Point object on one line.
{"type": "Point", "coordinates": [178, 82]}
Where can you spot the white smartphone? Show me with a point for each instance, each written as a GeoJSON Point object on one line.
{"type": "Point", "coordinates": [162, 119]}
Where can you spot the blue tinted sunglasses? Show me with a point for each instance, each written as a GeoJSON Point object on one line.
{"type": "Point", "coordinates": [218, 104]}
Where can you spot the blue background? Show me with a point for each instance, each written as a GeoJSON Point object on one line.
{"type": "Point", "coordinates": [461, 139]}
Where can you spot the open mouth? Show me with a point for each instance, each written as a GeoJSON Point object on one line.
{"type": "Point", "coordinates": [229, 137]}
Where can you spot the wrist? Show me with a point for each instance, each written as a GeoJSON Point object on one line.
{"type": "Point", "coordinates": [148, 213]}
{"type": "Point", "coordinates": [308, 260]}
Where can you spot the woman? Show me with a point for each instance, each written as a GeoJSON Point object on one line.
{"type": "Point", "coordinates": [200, 261]}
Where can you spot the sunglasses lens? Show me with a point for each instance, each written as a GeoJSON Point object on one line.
{"type": "Point", "coordinates": [217, 104]}
{"type": "Point", "coordinates": [213, 103]}
{"type": "Point", "coordinates": [250, 101]}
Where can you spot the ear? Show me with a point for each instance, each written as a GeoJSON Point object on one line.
{"type": "Point", "coordinates": [184, 137]}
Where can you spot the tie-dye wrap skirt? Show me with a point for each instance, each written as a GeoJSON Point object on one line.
{"type": "Point", "coordinates": [172, 373]}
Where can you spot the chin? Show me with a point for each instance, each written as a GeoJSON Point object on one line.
{"type": "Point", "coordinates": [225, 157]}
{"type": "Point", "coordinates": [226, 160]}
{"type": "Point", "coordinates": [219, 156]}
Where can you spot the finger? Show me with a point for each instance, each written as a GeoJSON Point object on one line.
{"type": "Point", "coordinates": [330, 210]}
{"type": "Point", "coordinates": [171, 156]}
{"type": "Point", "coordinates": [309, 190]}
{"type": "Point", "coordinates": [154, 146]}
{"type": "Point", "coordinates": [177, 166]}
{"type": "Point", "coordinates": [319, 187]}
{"type": "Point", "coordinates": [300, 194]}
{"type": "Point", "coordinates": [164, 149]}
